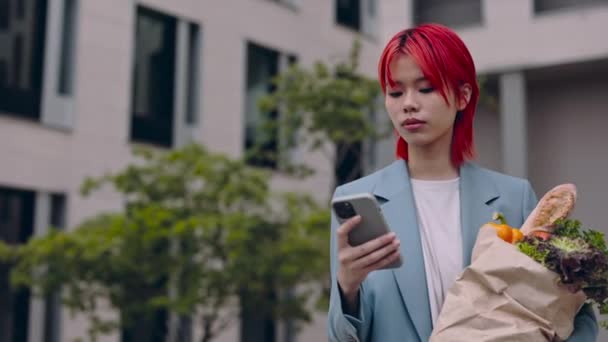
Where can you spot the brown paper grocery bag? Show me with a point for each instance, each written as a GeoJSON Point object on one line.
{"type": "Point", "coordinates": [504, 295]}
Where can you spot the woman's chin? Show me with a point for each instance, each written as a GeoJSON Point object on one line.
{"type": "Point", "coordinates": [417, 141]}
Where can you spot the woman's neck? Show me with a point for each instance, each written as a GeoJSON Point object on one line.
{"type": "Point", "coordinates": [431, 163]}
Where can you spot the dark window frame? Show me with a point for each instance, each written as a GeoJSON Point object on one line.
{"type": "Point", "coordinates": [250, 133]}
{"type": "Point", "coordinates": [16, 324]}
{"type": "Point", "coordinates": [156, 127]}
{"type": "Point", "coordinates": [542, 7]}
{"type": "Point", "coordinates": [425, 11]}
{"type": "Point", "coordinates": [192, 74]}
{"type": "Point", "coordinates": [350, 17]}
{"type": "Point", "coordinates": [65, 79]}
{"type": "Point", "coordinates": [26, 103]}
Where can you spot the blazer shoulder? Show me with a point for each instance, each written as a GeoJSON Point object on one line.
{"type": "Point", "coordinates": [506, 184]}
{"type": "Point", "coordinates": [363, 184]}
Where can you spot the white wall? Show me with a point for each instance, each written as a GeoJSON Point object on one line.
{"type": "Point", "coordinates": [513, 37]}
{"type": "Point", "coordinates": [568, 142]}
{"type": "Point", "coordinates": [568, 122]}
{"type": "Point", "coordinates": [488, 138]}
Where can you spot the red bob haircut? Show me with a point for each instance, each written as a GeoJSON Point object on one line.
{"type": "Point", "coordinates": [447, 63]}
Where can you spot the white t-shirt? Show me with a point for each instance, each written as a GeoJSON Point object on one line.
{"type": "Point", "coordinates": [438, 208]}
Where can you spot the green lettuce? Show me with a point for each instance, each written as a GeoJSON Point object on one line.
{"type": "Point", "coordinates": [578, 255]}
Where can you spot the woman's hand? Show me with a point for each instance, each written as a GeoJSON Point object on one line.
{"type": "Point", "coordinates": [358, 261]}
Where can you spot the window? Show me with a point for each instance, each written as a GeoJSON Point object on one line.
{"type": "Point", "coordinates": [16, 226]}
{"type": "Point", "coordinates": [37, 55]}
{"type": "Point", "coordinates": [453, 13]}
{"type": "Point", "coordinates": [262, 131]}
{"type": "Point", "coordinates": [19, 212]}
{"type": "Point", "coordinates": [22, 42]}
{"type": "Point", "coordinates": [52, 303]}
{"type": "Point", "coordinates": [57, 218]}
{"type": "Point", "coordinates": [165, 88]}
{"type": "Point", "coordinates": [262, 66]}
{"type": "Point", "coordinates": [541, 6]}
{"type": "Point", "coordinates": [358, 15]}
{"type": "Point", "coordinates": [66, 60]}
{"type": "Point", "coordinates": [348, 13]}
{"type": "Point", "coordinates": [349, 164]}
{"type": "Point", "coordinates": [153, 78]}
{"type": "Point", "coordinates": [194, 45]}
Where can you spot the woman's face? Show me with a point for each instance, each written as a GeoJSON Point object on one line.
{"type": "Point", "coordinates": [418, 111]}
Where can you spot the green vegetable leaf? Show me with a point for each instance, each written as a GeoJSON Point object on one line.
{"type": "Point", "coordinates": [530, 248]}
{"type": "Point", "coordinates": [568, 228]}
{"type": "Point", "coordinates": [595, 239]}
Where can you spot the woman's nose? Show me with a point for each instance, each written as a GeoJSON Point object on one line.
{"type": "Point", "coordinates": [410, 103]}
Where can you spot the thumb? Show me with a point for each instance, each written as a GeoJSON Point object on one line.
{"type": "Point", "coordinates": [346, 228]}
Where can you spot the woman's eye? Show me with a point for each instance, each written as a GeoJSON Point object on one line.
{"type": "Point", "coordinates": [427, 90]}
{"type": "Point", "coordinates": [395, 93]}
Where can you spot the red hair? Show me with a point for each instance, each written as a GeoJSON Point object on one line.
{"type": "Point", "coordinates": [447, 63]}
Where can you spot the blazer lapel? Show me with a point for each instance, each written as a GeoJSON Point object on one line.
{"type": "Point", "coordinates": [477, 192]}
{"type": "Point", "coordinates": [400, 212]}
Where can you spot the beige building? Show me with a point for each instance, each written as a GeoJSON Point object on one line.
{"type": "Point", "coordinates": [82, 81]}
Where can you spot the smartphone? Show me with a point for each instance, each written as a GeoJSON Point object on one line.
{"type": "Point", "coordinates": [372, 223]}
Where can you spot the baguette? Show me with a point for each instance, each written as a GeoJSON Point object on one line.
{"type": "Point", "coordinates": [556, 204]}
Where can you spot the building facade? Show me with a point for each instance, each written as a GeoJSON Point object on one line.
{"type": "Point", "coordinates": [83, 81]}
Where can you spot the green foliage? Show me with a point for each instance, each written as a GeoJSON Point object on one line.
{"type": "Point", "coordinates": [568, 228]}
{"type": "Point", "coordinates": [199, 223]}
{"type": "Point", "coordinates": [573, 229]}
{"type": "Point", "coordinates": [323, 104]}
{"type": "Point", "coordinates": [530, 248]}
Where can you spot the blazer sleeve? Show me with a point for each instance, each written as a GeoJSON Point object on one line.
{"type": "Point", "coordinates": [342, 327]}
{"type": "Point", "coordinates": [585, 323]}
{"type": "Point", "coordinates": [585, 326]}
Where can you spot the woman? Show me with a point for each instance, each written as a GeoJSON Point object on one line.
{"type": "Point", "coordinates": [433, 198]}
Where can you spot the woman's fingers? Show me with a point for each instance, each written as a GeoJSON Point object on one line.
{"type": "Point", "coordinates": [357, 258]}
{"type": "Point", "coordinates": [371, 246]}
{"type": "Point", "coordinates": [356, 262]}
{"type": "Point", "coordinates": [392, 257]}
{"type": "Point", "coordinates": [377, 255]}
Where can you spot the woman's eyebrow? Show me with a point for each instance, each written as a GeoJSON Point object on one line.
{"type": "Point", "coordinates": [417, 80]}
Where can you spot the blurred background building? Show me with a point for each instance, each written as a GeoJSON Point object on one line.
{"type": "Point", "coordinates": [83, 81]}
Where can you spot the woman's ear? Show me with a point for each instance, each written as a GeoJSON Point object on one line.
{"type": "Point", "coordinates": [465, 96]}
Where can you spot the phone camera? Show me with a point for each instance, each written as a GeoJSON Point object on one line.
{"type": "Point", "coordinates": [344, 210]}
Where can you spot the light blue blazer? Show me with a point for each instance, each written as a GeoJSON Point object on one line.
{"type": "Point", "coordinates": [394, 304]}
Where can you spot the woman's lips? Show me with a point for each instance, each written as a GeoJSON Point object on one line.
{"type": "Point", "coordinates": [412, 124]}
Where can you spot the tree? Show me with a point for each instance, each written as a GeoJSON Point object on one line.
{"type": "Point", "coordinates": [324, 108]}
{"type": "Point", "coordinates": [199, 233]}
